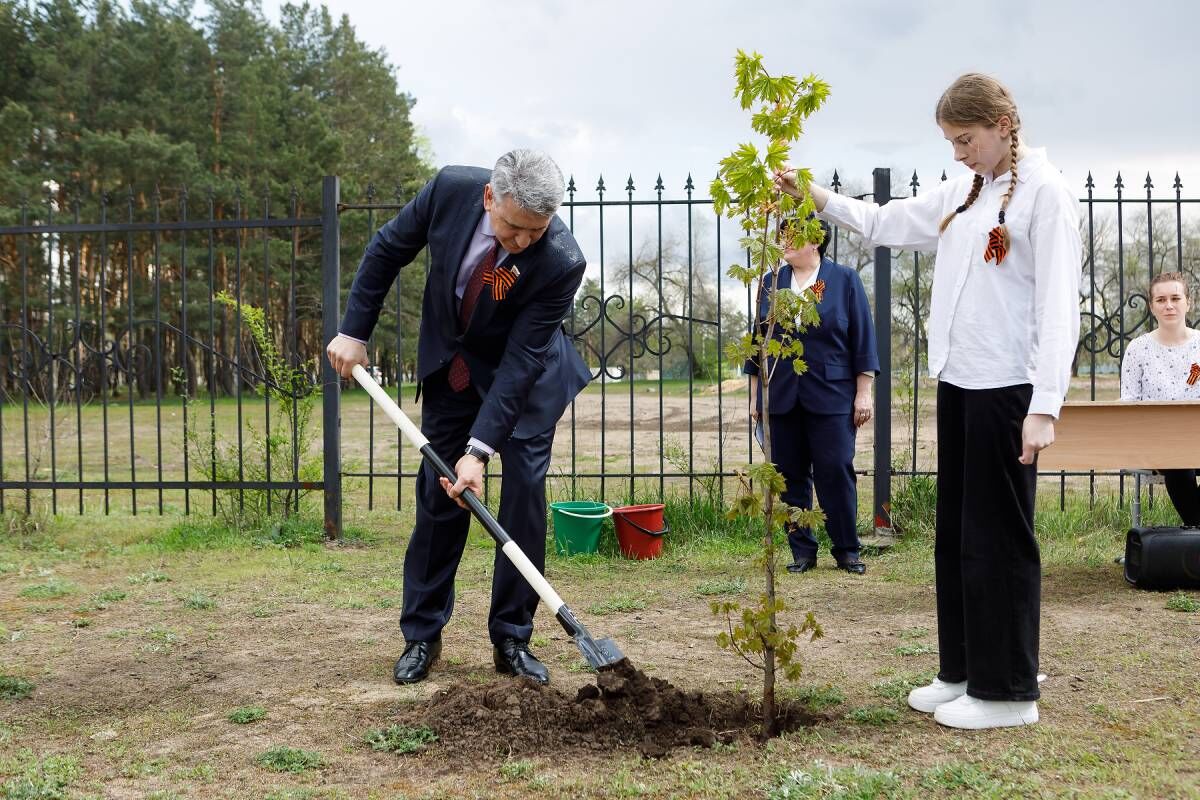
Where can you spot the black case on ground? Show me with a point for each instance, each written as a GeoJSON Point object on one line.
{"type": "Point", "coordinates": [1163, 558]}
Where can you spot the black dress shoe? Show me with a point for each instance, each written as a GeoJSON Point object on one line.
{"type": "Point", "coordinates": [802, 565]}
{"type": "Point", "coordinates": [512, 657]}
{"type": "Point", "coordinates": [855, 566]}
{"type": "Point", "coordinates": [413, 666]}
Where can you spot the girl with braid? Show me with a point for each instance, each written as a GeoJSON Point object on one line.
{"type": "Point", "coordinates": [1003, 326]}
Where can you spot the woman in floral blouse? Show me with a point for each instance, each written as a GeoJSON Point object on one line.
{"type": "Point", "coordinates": [1164, 364]}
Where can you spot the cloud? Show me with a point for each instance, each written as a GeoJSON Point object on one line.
{"type": "Point", "coordinates": [643, 88]}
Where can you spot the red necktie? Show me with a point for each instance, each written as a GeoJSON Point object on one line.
{"type": "Point", "coordinates": [460, 375]}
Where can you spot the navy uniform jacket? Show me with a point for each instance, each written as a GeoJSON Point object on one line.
{"type": "Point", "coordinates": [515, 348]}
{"type": "Point", "coordinates": [835, 351]}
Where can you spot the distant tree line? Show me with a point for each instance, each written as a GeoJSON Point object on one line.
{"type": "Point", "coordinates": [145, 110]}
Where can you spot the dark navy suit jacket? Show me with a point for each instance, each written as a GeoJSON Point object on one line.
{"type": "Point", "coordinates": [515, 348]}
{"type": "Point", "coordinates": [835, 351]}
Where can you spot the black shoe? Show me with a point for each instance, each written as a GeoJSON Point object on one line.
{"type": "Point", "coordinates": [802, 565]}
{"type": "Point", "coordinates": [413, 666]}
{"type": "Point", "coordinates": [857, 567]}
{"type": "Point", "coordinates": [512, 657]}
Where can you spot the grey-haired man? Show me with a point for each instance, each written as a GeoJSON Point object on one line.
{"type": "Point", "coordinates": [496, 372]}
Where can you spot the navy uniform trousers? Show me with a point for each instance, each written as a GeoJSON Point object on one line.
{"type": "Point", "coordinates": [440, 533]}
{"type": "Point", "coordinates": [818, 449]}
{"type": "Point", "coordinates": [988, 569]}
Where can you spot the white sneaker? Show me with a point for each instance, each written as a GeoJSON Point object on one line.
{"type": "Point", "coordinates": [971, 713]}
{"type": "Point", "coordinates": [928, 698]}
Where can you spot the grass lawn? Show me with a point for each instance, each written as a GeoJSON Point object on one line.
{"type": "Point", "coordinates": [159, 657]}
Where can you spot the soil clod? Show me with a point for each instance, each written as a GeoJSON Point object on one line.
{"type": "Point", "coordinates": [624, 709]}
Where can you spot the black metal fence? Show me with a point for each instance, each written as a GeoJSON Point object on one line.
{"type": "Point", "coordinates": [120, 370]}
{"type": "Point", "coordinates": [131, 367]}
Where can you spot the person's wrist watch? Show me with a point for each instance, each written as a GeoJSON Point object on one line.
{"type": "Point", "coordinates": [478, 452]}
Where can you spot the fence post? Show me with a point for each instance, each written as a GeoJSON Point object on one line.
{"type": "Point", "coordinates": [883, 383]}
{"type": "Point", "coordinates": [331, 386]}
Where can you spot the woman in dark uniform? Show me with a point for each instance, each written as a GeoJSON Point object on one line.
{"type": "Point", "coordinates": [815, 416]}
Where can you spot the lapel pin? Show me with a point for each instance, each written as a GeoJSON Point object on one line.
{"type": "Point", "coordinates": [501, 280]}
{"type": "Point", "coordinates": [818, 289]}
{"type": "Point", "coordinates": [997, 244]}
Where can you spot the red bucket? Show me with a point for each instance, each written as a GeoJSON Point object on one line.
{"type": "Point", "coordinates": [640, 530]}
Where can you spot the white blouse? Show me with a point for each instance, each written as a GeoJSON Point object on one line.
{"type": "Point", "coordinates": [1153, 371]}
{"type": "Point", "coordinates": [992, 325]}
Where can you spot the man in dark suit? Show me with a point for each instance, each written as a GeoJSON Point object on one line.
{"type": "Point", "coordinates": [496, 372]}
{"type": "Point", "coordinates": [815, 415]}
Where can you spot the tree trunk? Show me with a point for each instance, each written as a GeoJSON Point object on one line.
{"type": "Point", "coordinates": [190, 370]}
{"type": "Point", "coordinates": [770, 717]}
{"type": "Point", "coordinates": [224, 370]}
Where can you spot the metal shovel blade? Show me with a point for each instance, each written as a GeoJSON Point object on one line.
{"type": "Point", "coordinates": [599, 653]}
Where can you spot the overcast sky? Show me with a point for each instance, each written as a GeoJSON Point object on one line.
{"type": "Point", "coordinates": [621, 87]}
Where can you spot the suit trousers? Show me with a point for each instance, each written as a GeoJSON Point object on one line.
{"type": "Point", "coordinates": [988, 568]}
{"type": "Point", "coordinates": [1184, 493]}
{"type": "Point", "coordinates": [440, 532]}
{"type": "Point", "coordinates": [818, 450]}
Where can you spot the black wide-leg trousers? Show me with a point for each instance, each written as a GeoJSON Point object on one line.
{"type": "Point", "coordinates": [1184, 493]}
{"type": "Point", "coordinates": [440, 532]}
{"type": "Point", "coordinates": [987, 560]}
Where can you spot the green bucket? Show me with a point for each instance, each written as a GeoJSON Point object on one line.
{"type": "Point", "coordinates": [577, 526]}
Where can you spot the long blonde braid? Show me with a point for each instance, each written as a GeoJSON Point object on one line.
{"type": "Point", "coordinates": [971, 198]}
{"type": "Point", "coordinates": [1012, 186]}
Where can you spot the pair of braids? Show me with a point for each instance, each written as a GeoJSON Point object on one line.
{"type": "Point", "coordinates": [998, 238]}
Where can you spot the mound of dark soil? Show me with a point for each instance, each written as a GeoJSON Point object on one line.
{"type": "Point", "coordinates": [625, 708]}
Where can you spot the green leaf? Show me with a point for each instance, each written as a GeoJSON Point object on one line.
{"type": "Point", "coordinates": [806, 518]}
{"type": "Point", "coordinates": [770, 254]}
{"type": "Point", "coordinates": [720, 195]}
{"type": "Point", "coordinates": [747, 275]}
{"type": "Point", "coordinates": [739, 352]}
{"type": "Point", "coordinates": [777, 155]}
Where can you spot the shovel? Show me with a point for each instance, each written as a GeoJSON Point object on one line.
{"type": "Point", "coordinates": [599, 653]}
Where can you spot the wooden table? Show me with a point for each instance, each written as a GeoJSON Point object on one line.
{"type": "Point", "coordinates": [1117, 435]}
